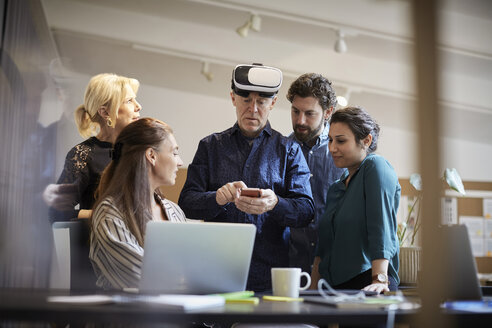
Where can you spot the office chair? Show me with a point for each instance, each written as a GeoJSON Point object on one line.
{"type": "Point", "coordinates": [82, 275]}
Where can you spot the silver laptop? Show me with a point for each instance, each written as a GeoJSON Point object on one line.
{"type": "Point", "coordinates": [196, 258]}
{"type": "Point", "coordinates": [462, 279]}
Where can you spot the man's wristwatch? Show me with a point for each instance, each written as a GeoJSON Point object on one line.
{"type": "Point", "coordinates": [380, 278]}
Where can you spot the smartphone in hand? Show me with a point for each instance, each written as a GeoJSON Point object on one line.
{"type": "Point", "coordinates": [250, 192]}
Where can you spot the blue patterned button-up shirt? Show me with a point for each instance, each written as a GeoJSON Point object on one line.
{"type": "Point", "coordinates": [269, 161]}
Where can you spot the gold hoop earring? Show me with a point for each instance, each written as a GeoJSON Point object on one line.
{"type": "Point", "coordinates": [109, 122]}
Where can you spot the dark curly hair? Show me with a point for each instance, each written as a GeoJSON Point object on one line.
{"type": "Point", "coordinates": [360, 123]}
{"type": "Point", "coordinates": [313, 85]}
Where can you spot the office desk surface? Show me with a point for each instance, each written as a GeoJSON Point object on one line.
{"type": "Point", "coordinates": [31, 305]}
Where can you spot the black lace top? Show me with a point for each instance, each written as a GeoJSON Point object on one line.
{"type": "Point", "coordinates": [84, 165]}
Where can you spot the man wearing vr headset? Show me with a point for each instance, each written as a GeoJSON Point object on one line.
{"type": "Point", "coordinates": [313, 101]}
{"type": "Point", "coordinates": [252, 154]}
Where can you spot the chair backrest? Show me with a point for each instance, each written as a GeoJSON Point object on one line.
{"type": "Point", "coordinates": [82, 275]}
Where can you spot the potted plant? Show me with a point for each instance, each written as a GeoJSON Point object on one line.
{"type": "Point", "coordinates": [410, 252]}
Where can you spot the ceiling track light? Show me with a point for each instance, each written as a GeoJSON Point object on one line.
{"type": "Point", "coordinates": [243, 30]}
{"type": "Point", "coordinates": [253, 23]}
{"type": "Point", "coordinates": [343, 101]}
{"type": "Point", "coordinates": [206, 71]}
{"type": "Point", "coordinates": [255, 20]}
{"type": "Point", "coordinates": [340, 44]}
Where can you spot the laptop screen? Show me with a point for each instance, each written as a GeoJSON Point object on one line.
{"type": "Point", "coordinates": [462, 280]}
{"type": "Point", "coordinates": [196, 258]}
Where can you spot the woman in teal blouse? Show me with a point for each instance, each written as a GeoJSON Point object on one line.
{"type": "Point", "coordinates": [358, 245]}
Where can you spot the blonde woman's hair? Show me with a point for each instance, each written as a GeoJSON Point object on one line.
{"type": "Point", "coordinates": [106, 90]}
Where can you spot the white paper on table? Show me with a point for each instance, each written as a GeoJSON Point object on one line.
{"type": "Point", "coordinates": [82, 299]}
{"type": "Point", "coordinates": [60, 261]}
{"type": "Point", "coordinates": [184, 302]}
{"type": "Point", "coordinates": [165, 301]}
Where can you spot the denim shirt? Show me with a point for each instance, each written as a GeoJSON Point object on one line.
{"type": "Point", "coordinates": [359, 224]}
{"type": "Point", "coordinates": [323, 173]}
{"type": "Point", "coordinates": [323, 170]}
{"type": "Point", "coordinates": [269, 161]}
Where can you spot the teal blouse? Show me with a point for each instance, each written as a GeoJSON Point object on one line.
{"type": "Point", "coordinates": [359, 222]}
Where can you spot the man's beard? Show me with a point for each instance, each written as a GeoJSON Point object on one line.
{"type": "Point", "coordinates": [306, 137]}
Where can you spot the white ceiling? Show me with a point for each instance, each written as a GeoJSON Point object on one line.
{"type": "Point", "coordinates": [163, 43]}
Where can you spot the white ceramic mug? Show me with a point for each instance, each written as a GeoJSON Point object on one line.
{"type": "Point", "coordinates": [286, 281]}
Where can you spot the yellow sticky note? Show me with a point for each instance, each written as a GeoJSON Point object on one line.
{"type": "Point", "coordinates": [249, 300]}
{"type": "Point", "coordinates": [237, 295]}
{"type": "Point", "coordinates": [282, 299]}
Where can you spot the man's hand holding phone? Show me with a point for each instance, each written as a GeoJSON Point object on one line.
{"type": "Point", "coordinates": [228, 192]}
{"type": "Point", "coordinates": [255, 200]}
{"type": "Point", "coordinates": [250, 192]}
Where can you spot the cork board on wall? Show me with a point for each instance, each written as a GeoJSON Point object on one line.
{"type": "Point", "coordinates": [467, 206]}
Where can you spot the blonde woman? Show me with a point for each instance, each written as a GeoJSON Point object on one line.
{"type": "Point", "coordinates": [109, 105]}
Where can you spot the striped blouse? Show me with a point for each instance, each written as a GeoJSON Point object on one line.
{"type": "Point", "coordinates": [115, 253]}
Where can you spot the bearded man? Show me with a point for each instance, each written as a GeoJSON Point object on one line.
{"type": "Point", "coordinates": [313, 101]}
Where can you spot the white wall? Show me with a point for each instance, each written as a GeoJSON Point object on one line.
{"type": "Point", "coordinates": [472, 160]}
{"type": "Point", "coordinates": [194, 116]}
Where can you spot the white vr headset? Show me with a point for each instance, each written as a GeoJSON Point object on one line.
{"type": "Point", "coordinates": [256, 78]}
